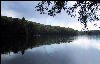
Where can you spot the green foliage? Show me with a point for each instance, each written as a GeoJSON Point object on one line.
{"type": "Point", "coordinates": [90, 32]}
{"type": "Point", "coordinates": [23, 19]}
{"type": "Point", "coordinates": [93, 32]}
{"type": "Point", "coordinates": [26, 28]}
{"type": "Point", "coordinates": [18, 35]}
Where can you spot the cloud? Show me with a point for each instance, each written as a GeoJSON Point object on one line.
{"type": "Point", "coordinates": [17, 8]}
{"type": "Point", "coordinates": [6, 11]}
{"type": "Point", "coordinates": [25, 9]}
{"type": "Point", "coordinates": [9, 13]}
{"type": "Point", "coordinates": [91, 25]}
{"type": "Point", "coordinates": [76, 26]}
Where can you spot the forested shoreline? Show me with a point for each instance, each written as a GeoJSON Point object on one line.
{"type": "Point", "coordinates": [16, 26]}
{"type": "Point", "coordinates": [20, 34]}
{"type": "Point", "coordinates": [21, 28]}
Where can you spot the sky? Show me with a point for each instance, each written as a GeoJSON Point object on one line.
{"type": "Point", "coordinates": [19, 9]}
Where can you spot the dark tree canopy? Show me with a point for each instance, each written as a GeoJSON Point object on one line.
{"type": "Point", "coordinates": [23, 19]}
{"type": "Point", "coordinates": [87, 9]}
{"type": "Point", "coordinates": [18, 35]}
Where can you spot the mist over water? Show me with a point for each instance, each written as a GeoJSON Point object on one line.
{"type": "Point", "coordinates": [82, 50]}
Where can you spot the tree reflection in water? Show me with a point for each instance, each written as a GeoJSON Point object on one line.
{"type": "Point", "coordinates": [16, 45]}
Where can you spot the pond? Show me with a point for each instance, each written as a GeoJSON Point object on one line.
{"type": "Point", "coordinates": [68, 50]}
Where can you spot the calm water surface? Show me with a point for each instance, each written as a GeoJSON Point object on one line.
{"type": "Point", "coordinates": [82, 50]}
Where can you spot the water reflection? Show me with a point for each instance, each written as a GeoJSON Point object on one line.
{"type": "Point", "coordinates": [82, 50]}
{"type": "Point", "coordinates": [88, 41]}
{"type": "Point", "coordinates": [16, 45]}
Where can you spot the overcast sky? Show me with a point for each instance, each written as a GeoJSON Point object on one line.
{"type": "Point", "coordinates": [19, 9]}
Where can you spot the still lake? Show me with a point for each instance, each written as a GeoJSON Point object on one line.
{"type": "Point", "coordinates": [76, 50]}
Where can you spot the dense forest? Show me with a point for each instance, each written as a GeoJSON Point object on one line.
{"type": "Point", "coordinates": [15, 27]}
{"type": "Point", "coordinates": [89, 32]}
{"type": "Point", "coordinates": [20, 34]}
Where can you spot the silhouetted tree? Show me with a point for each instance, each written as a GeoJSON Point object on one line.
{"type": "Point", "coordinates": [87, 9]}
{"type": "Point", "coordinates": [23, 19]}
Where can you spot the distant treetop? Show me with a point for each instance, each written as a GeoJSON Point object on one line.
{"type": "Point", "coordinates": [23, 18]}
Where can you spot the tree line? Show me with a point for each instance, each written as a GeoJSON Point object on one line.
{"type": "Point", "coordinates": [20, 34]}
{"type": "Point", "coordinates": [15, 26]}
{"type": "Point", "coordinates": [90, 32]}
{"type": "Point", "coordinates": [21, 28]}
